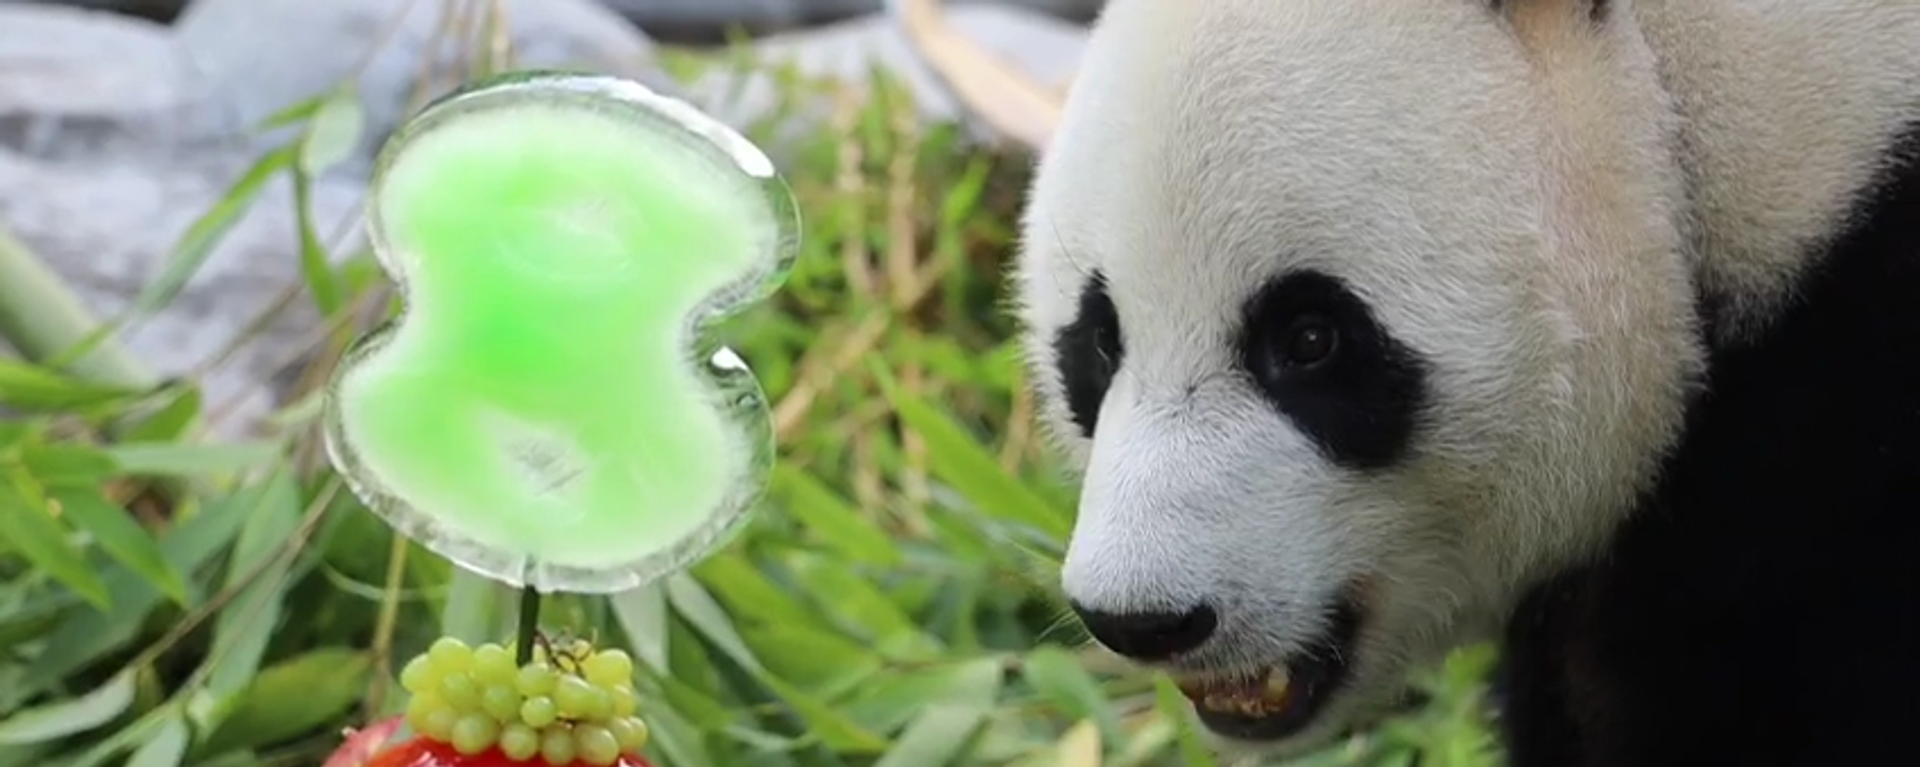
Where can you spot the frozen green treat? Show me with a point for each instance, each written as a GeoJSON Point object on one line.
{"type": "Point", "coordinates": [546, 410]}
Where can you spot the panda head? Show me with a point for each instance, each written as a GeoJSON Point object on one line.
{"type": "Point", "coordinates": [1354, 317]}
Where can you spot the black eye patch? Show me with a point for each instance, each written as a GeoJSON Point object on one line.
{"type": "Point", "coordinates": [1087, 353]}
{"type": "Point", "coordinates": [1314, 350]}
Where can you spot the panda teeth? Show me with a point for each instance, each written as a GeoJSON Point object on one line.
{"type": "Point", "coordinates": [1264, 694]}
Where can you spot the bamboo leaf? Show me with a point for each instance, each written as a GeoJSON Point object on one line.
{"type": "Point", "coordinates": [185, 460]}
{"type": "Point", "coordinates": [292, 698]}
{"type": "Point", "coordinates": [31, 388]}
{"type": "Point", "coordinates": [937, 736]}
{"type": "Point", "coordinates": [697, 606]}
{"type": "Point", "coordinates": [331, 138]}
{"type": "Point", "coordinates": [837, 523]}
{"type": "Point", "coordinates": [856, 602]}
{"type": "Point", "coordinates": [86, 635]}
{"type": "Point", "coordinates": [28, 527]}
{"type": "Point", "coordinates": [333, 133]}
{"type": "Point", "coordinates": [960, 461]}
{"type": "Point", "coordinates": [834, 728]}
{"type": "Point", "coordinates": [67, 465]}
{"type": "Point", "coordinates": [1169, 701]}
{"type": "Point", "coordinates": [1080, 747]}
{"type": "Point", "coordinates": [890, 701]}
{"type": "Point", "coordinates": [71, 716]}
{"type": "Point", "coordinates": [166, 747]}
{"type": "Point", "coordinates": [169, 421]}
{"type": "Point", "coordinates": [123, 538]}
{"type": "Point", "coordinates": [315, 266]}
{"type": "Point", "coordinates": [257, 569]}
{"type": "Point", "coordinates": [642, 613]}
{"type": "Point", "coordinates": [821, 662]}
{"type": "Point", "coordinates": [746, 591]}
{"type": "Point", "coordinates": [1060, 677]}
{"type": "Point", "coordinates": [297, 112]}
{"type": "Point", "coordinates": [197, 243]}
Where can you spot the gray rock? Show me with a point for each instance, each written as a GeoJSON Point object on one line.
{"type": "Point", "coordinates": [264, 55]}
{"type": "Point", "coordinates": [106, 228]}
{"type": "Point", "coordinates": [76, 83]}
{"type": "Point", "coordinates": [1041, 46]}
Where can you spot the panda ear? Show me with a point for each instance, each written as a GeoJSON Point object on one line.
{"type": "Point", "coordinates": [1594, 10]}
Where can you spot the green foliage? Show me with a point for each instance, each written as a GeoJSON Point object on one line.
{"type": "Point", "coordinates": [168, 601]}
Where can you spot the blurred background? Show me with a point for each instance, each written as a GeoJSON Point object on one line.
{"type": "Point", "coordinates": [183, 580]}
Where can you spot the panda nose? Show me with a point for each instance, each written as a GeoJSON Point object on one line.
{"type": "Point", "coordinates": [1150, 636]}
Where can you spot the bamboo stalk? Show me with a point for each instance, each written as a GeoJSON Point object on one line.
{"type": "Point", "coordinates": [41, 318]}
{"type": "Point", "coordinates": [1023, 110]}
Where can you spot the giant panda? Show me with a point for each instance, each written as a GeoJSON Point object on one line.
{"type": "Point", "coordinates": [1591, 328]}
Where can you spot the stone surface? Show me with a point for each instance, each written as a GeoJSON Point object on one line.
{"type": "Point", "coordinates": [266, 54]}
{"type": "Point", "coordinates": [76, 83]}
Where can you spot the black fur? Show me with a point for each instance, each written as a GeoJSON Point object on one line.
{"type": "Point", "coordinates": [1762, 609]}
{"type": "Point", "coordinates": [1363, 403]}
{"type": "Point", "coordinates": [1088, 352]}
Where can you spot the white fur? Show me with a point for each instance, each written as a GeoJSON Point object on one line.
{"type": "Point", "coordinates": [1511, 197]}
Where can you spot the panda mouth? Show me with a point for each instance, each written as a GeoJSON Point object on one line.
{"type": "Point", "coordinates": [1277, 701]}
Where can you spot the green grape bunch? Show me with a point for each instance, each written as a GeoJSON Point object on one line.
{"type": "Point", "coordinates": [571, 704]}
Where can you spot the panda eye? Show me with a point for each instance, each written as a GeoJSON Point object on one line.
{"type": "Point", "coordinates": [1308, 341]}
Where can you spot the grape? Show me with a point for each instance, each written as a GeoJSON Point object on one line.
{"type": "Point", "coordinates": [595, 744]}
{"type": "Point", "coordinates": [501, 703]}
{"type": "Point", "coordinates": [421, 707]}
{"type": "Point", "coordinates": [556, 745]}
{"type": "Point", "coordinates": [461, 692]}
{"type": "Point", "coordinates": [419, 675]}
{"type": "Point", "coordinates": [493, 665]}
{"type": "Point", "coordinates": [474, 733]}
{"type": "Point", "coordinates": [573, 707]}
{"type": "Point", "coordinates": [536, 678]}
{"type": "Point", "coordinates": [450, 654]}
{"type": "Point", "coordinates": [519, 742]}
{"type": "Point", "coordinates": [625, 701]}
{"type": "Point", "coordinates": [608, 668]}
{"type": "Point", "coordinates": [630, 732]}
{"type": "Point", "coordinates": [439, 723]}
{"type": "Point", "coordinates": [538, 711]}
{"type": "Point", "coordinates": [577, 698]}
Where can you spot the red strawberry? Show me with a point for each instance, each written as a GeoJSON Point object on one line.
{"type": "Point", "coordinates": [376, 746]}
